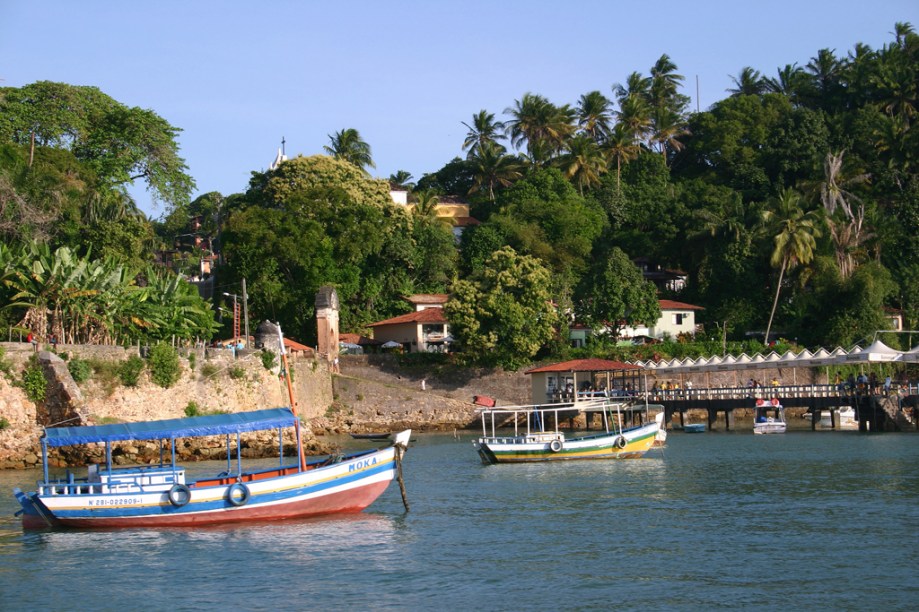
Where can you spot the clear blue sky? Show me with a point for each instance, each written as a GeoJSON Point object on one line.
{"type": "Point", "coordinates": [237, 76]}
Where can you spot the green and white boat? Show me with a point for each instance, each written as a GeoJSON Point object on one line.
{"type": "Point", "coordinates": [536, 433]}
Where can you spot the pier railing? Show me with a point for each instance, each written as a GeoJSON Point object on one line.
{"type": "Point", "coordinates": [780, 391]}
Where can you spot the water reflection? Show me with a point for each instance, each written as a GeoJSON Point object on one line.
{"type": "Point", "coordinates": [801, 520]}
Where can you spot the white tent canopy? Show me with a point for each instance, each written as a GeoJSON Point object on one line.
{"type": "Point", "coordinates": [877, 352]}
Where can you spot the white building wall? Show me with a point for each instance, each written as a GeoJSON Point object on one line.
{"type": "Point", "coordinates": [673, 323]}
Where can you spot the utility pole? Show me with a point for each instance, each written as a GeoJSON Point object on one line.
{"type": "Point", "coordinates": [246, 312]}
{"type": "Point", "coordinates": [235, 321]}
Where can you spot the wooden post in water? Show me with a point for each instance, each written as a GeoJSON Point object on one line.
{"type": "Point", "coordinates": [400, 451]}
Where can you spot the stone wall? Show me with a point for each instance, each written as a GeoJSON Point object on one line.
{"type": "Point", "coordinates": [231, 384]}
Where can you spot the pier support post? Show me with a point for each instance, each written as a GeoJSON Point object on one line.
{"type": "Point", "coordinates": [729, 419]}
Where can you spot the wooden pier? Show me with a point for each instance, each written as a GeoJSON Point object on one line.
{"type": "Point", "coordinates": [875, 411]}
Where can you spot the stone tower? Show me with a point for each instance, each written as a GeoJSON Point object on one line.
{"type": "Point", "coordinates": [327, 323]}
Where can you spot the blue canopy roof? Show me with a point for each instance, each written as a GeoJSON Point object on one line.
{"type": "Point", "coordinates": [210, 425]}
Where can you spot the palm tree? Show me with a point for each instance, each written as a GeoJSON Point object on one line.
{"type": "Point", "coordinates": [542, 125]}
{"type": "Point", "coordinates": [788, 81]}
{"type": "Point", "coordinates": [748, 83]}
{"type": "Point", "coordinates": [484, 129]}
{"type": "Point", "coordinates": [667, 127]}
{"type": "Point", "coordinates": [636, 86]}
{"type": "Point", "coordinates": [902, 30]}
{"type": "Point", "coordinates": [664, 81]}
{"type": "Point", "coordinates": [348, 145]}
{"type": "Point", "coordinates": [621, 146]}
{"type": "Point", "coordinates": [825, 70]}
{"type": "Point", "coordinates": [732, 221]}
{"type": "Point", "coordinates": [894, 80]}
{"type": "Point", "coordinates": [402, 179]}
{"type": "Point", "coordinates": [635, 116]}
{"type": "Point", "coordinates": [795, 234]}
{"type": "Point", "coordinates": [663, 92]}
{"type": "Point", "coordinates": [491, 167]}
{"type": "Point", "coordinates": [426, 204]}
{"type": "Point", "coordinates": [530, 117]}
{"type": "Point", "coordinates": [584, 162]}
{"type": "Point", "coordinates": [594, 115]}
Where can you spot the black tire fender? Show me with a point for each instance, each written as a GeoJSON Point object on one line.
{"type": "Point", "coordinates": [238, 494]}
{"type": "Point", "coordinates": [179, 495]}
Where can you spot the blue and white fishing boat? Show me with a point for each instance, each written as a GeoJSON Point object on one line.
{"type": "Point", "coordinates": [162, 495]}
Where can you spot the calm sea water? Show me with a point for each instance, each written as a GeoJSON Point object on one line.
{"type": "Point", "coordinates": [821, 520]}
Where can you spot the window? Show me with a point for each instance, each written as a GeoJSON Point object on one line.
{"type": "Point", "coordinates": [678, 318]}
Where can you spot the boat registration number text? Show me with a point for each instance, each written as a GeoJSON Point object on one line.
{"type": "Point", "coordinates": [114, 501]}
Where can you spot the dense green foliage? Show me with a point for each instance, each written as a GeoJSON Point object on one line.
{"type": "Point", "coordinates": [503, 315]}
{"type": "Point", "coordinates": [163, 364]}
{"type": "Point", "coordinates": [319, 221]}
{"type": "Point", "coordinates": [119, 144]}
{"type": "Point", "coordinates": [129, 370]}
{"type": "Point", "coordinates": [269, 359]}
{"type": "Point", "coordinates": [33, 383]}
{"type": "Point", "coordinates": [80, 369]}
{"type": "Point", "coordinates": [97, 300]}
{"type": "Point", "coordinates": [614, 294]}
{"type": "Point", "coordinates": [790, 206]}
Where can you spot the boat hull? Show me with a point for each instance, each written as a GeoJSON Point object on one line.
{"type": "Point", "coordinates": [769, 428]}
{"type": "Point", "coordinates": [631, 443]}
{"type": "Point", "coordinates": [345, 487]}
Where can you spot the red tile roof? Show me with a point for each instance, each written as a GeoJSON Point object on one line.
{"type": "Point", "coordinates": [296, 346]}
{"type": "Point", "coordinates": [357, 339]}
{"type": "Point", "coordinates": [585, 365]}
{"type": "Point", "coordinates": [465, 221]}
{"type": "Point", "coordinates": [671, 305]}
{"type": "Point", "coordinates": [428, 315]}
